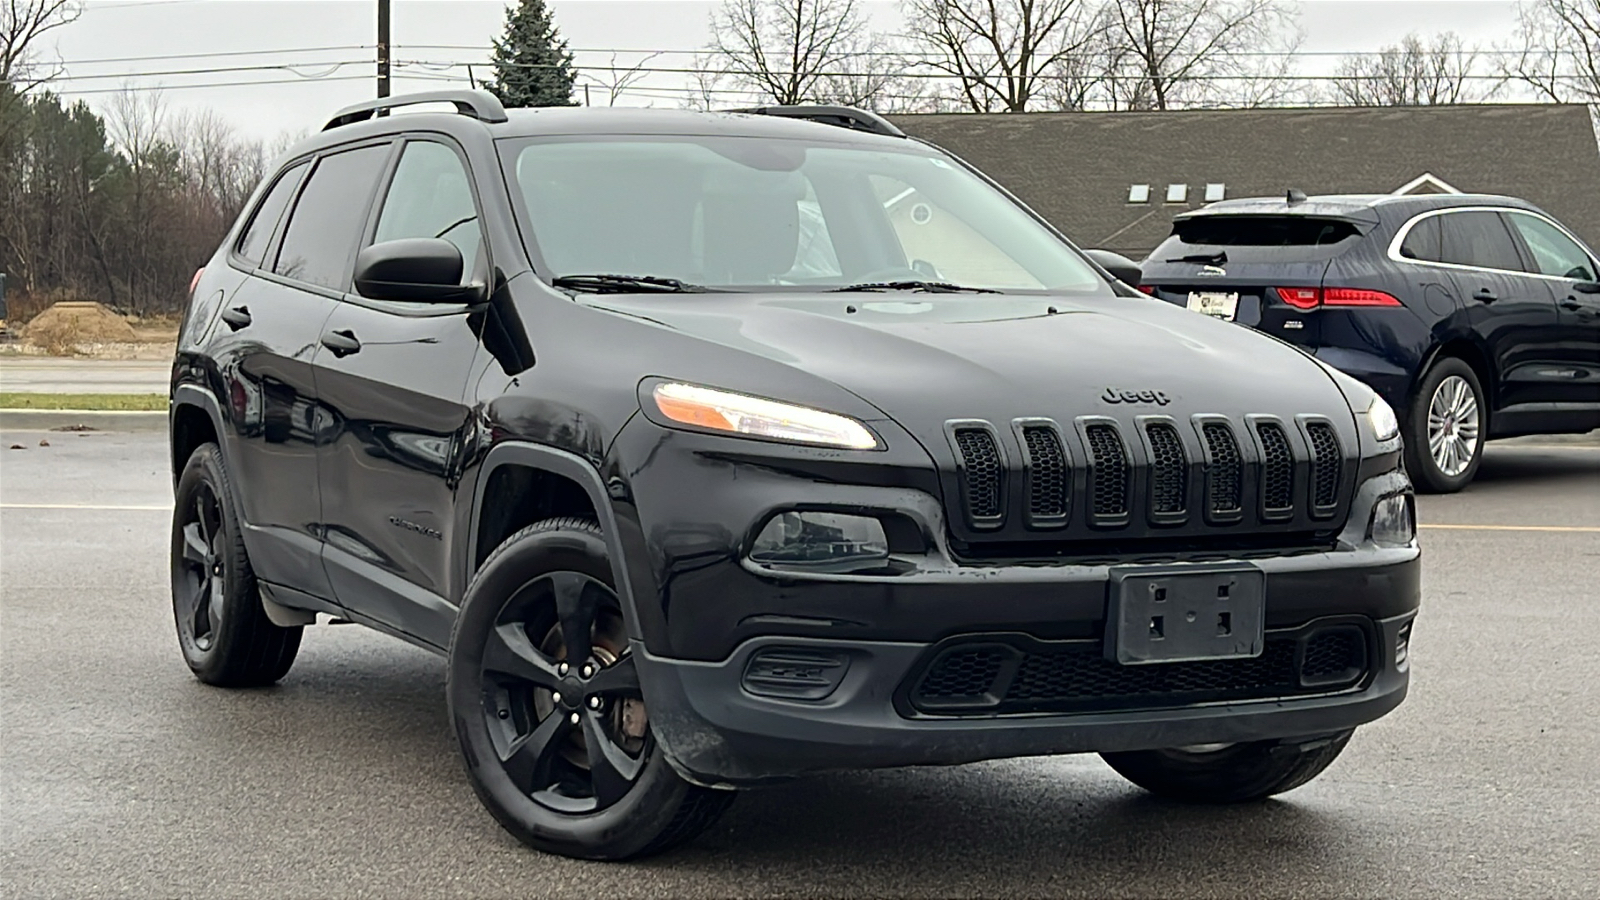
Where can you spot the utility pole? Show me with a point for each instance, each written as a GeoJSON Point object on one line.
{"type": "Point", "coordinates": [383, 48]}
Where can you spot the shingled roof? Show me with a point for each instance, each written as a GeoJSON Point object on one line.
{"type": "Point", "coordinates": [1075, 169]}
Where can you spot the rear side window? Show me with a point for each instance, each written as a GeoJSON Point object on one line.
{"type": "Point", "coordinates": [326, 222]}
{"type": "Point", "coordinates": [1553, 252]}
{"type": "Point", "coordinates": [1422, 241]}
{"type": "Point", "coordinates": [253, 243]}
{"type": "Point", "coordinates": [430, 197]}
{"type": "Point", "coordinates": [1477, 238]}
{"type": "Point", "coordinates": [1263, 231]}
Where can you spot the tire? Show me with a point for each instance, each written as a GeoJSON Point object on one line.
{"type": "Point", "coordinates": [1235, 773]}
{"type": "Point", "coordinates": [1449, 389]}
{"type": "Point", "coordinates": [559, 774]}
{"type": "Point", "coordinates": [223, 630]}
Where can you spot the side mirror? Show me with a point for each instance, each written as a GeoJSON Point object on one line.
{"type": "Point", "coordinates": [418, 270]}
{"type": "Point", "coordinates": [1122, 268]}
{"type": "Point", "coordinates": [1587, 287]}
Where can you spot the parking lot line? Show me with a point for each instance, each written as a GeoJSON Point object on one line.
{"type": "Point", "coordinates": [1578, 528]}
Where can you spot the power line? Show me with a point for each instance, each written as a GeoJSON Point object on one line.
{"type": "Point", "coordinates": [140, 88]}
{"type": "Point", "coordinates": [333, 66]}
{"type": "Point", "coordinates": [162, 57]}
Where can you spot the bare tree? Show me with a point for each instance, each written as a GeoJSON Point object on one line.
{"type": "Point", "coordinates": [1001, 54]}
{"type": "Point", "coordinates": [1412, 73]}
{"type": "Point", "coordinates": [1168, 54]}
{"type": "Point", "coordinates": [785, 50]}
{"type": "Point", "coordinates": [1556, 52]}
{"type": "Point", "coordinates": [616, 79]}
{"type": "Point", "coordinates": [22, 22]}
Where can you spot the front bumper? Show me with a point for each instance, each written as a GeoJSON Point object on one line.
{"type": "Point", "coordinates": [716, 733]}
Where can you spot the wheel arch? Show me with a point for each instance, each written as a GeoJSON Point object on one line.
{"type": "Point", "coordinates": [557, 483]}
{"type": "Point", "coordinates": [1469, 352]}
{"type": "Point", "coordinates": [195, 419]}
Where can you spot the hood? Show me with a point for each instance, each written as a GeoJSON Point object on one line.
{"type": "Point", "coordinates": [926, 359]}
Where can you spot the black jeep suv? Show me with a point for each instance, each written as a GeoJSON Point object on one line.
{"type": "Point", "coordinates": [1476, 317]}
{"type": "Point", "coordinates": [715, 449]}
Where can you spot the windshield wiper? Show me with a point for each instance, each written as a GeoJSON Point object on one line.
{"type": "Point", "coordinates": [625, 284]}
{"type": "Point", "coordinates": [1210, 259]}
{"type": "Point", "coordinates": [932, 287]}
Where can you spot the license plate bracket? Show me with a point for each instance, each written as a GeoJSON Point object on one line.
{"type": "Point", "coordinates": [1161, 614]}
{"type": "Point", "coordinates": [1218, 304]}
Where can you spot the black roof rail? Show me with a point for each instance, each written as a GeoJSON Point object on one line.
{"type": "Point", "coordinates": [842, 116]}
{"type": "Point", "coordinates": [480, 105]}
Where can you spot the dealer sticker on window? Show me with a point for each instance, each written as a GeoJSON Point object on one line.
{"type": "Point", "coordinates": [1212, 303]}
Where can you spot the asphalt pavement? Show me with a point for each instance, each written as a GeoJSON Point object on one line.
{"type": "Point", "coordinates": [56, 375]}
{"type": "Point", "coordinates": [121, 775]}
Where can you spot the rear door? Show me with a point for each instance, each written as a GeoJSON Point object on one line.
{"type": "Point", "coordinates": [1232, 266]}
{"type": "Point", "coordinates": [390, 466]}
{"type": "Point", "coordinates": [262, 340]}
{"type": "Point", "coordinates": [1510, 311]}
{"type": "Point", "coordinates": [1571, 275]}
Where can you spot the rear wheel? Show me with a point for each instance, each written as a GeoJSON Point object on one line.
{"type": "Point", "coordinates": [1228, 773]}
{"type": "Point", "coordinates": [223, 630]}
{"type": "Point", "coordinates": [545, 700]}
{"type": "Point", "coordinates": [1445, 428]}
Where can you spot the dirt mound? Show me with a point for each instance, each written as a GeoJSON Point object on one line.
{"type": "Point", "coordinates": [64, 325]}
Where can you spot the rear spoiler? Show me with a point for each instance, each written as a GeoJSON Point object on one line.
{"type": "Point", "coordinates": [1274, 208]}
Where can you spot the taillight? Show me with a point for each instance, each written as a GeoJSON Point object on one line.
{"type": "Point", "coordinates": [1311, 298]}
{"type": "Point", "coordinates": [196, 279]}
{"type": "Point", "coordinates": [1148, 289]}
{"type": "Point", "coordinates": [1301, 298]}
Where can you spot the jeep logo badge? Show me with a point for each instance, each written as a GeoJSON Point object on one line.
{"type": "Point", "coordinates": [1115, 395]}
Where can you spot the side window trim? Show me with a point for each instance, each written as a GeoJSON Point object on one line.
{"type": "Point", "coordinates": [1502, 211]}
{"type": "Point", "coordinates": [375, 212]}
{"type": "Point", "coordinates": [276, 247]}
{"type": "Point", "coordinates": [271, 249]}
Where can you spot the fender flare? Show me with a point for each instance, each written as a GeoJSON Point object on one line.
{"type": "Point", "coordinates": [576, 469]}
{"type": "Point", "coordinates": [202, 398]}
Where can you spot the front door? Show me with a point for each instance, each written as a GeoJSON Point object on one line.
{"type": "Point", "coordinates": [393, 377]}
{"type": "Point", "coordinates": [1571, 276]}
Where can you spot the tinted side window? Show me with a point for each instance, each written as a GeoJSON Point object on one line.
{"type": "Point", "coordinates": [1422, 241]}
{"type": "Point", "coordinates": [1263, 231]}
{"type": "Point", "coordinates": [1553, 252]}
{"type": "Point", "coordinates": [253, 243]}
{"type": "Point", "coordinates": [1478, 239]}
{"type": "Point", "coordinates": [326, 222]}
{"type": "Point", "coordinates": [431, 197]}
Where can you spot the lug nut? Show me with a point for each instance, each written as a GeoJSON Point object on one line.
{"type": "Point", "coordinates": [505, 713]}
{"type": "Point", "coordinates": [588, 671]}
{"type": "Point", "coordinates": [595, 702]}
{"type": "Point", "coordinates": [555, 697]}
{"type": "Point", "coordinates": [573, 718]}
{"type": "Point", "coordinates": [561, 669]}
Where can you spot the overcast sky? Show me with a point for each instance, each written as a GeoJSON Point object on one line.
{"type": "Point", "coordinates": [429, 34]}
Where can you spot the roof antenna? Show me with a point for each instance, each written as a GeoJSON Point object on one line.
{"type": "Point", "coordinates": [1295, 196]}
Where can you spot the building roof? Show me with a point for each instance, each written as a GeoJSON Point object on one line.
{"type": "Point", "coordinates": [1076, 169]}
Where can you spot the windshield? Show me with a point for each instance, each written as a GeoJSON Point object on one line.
{"type": "Point", "coordinates": [763, 214]}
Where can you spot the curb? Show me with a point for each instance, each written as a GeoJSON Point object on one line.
{"type": "Point", "coordinates": [99, 420]}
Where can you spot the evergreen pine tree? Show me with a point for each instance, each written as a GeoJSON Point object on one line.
{"type": "Point", "coordinates": [532, 65]}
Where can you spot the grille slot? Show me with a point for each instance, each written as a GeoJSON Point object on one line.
{"type": "Point", "coordinates": [1169, 471]}
{"type": "Point", "coordinates": [1027, 676]}
{"type": "Point", "coordinates": [1277, 471]}
{"type": "Point", "coordinates": [1049, 477]}
{"type": "Point", "coordinates": [1108, 478]}
{"type": "Point", "coordinates": [1327, 463]}
{"type": "Point", "coordinates": [1225, 475]}
{"type": "Point", "coordinates": [982, 473]}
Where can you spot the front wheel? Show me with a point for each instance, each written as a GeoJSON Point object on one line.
{"type": "Point", "coordinates": [545, 701]}
{"type": "Point", "coordinates": [1445, 428]}
{"type": "Point", "coordinates": [1228, 773]}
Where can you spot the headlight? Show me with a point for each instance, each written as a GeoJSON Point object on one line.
{"type": "Point", "coordinates": [704, 407]}
{"type": "Point", "coordinates": [819, 538]}
{"type": "Point", "coordinates": [1393, 522]}
{"type": "Point", "coordinates": [1381, 417]}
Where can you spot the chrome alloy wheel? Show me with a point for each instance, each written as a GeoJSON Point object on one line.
{"type": "Point", "coordinates": [1453, 426]}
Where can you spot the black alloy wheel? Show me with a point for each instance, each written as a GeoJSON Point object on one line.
{"type": "Point", "coordinates": [223, 629]}
{"type": "Point", "coordinates": [547, 705]}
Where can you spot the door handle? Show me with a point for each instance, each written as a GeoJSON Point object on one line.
{"type": "Point", "coordinates": [237, 317]}
{"type": "Point", "coordinates": [342, 343]}
{"type": "Point", "coordinates": [1571, 304]}
{"type": "Point", "coordinates": [1484, 295]}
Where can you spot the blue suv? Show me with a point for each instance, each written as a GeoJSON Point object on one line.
{"type": "Point", "coordinates": [1476, 317]}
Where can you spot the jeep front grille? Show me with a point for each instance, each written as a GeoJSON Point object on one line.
{"type": "Point", "coordinates": [1169, 471]}
{"type": "Point", "coordinates": [983, 475]}
{"type": "Point", "coordinates": [1277, 471]}
{"type": "Point", "coordinates": [1049, 478]}
{"type": "Point", "coordinates": [1327, 463]}
{"type": "Point", "coordinates": [1224, 474]}
{"type": "Point", "coordinates": [1108, 473]}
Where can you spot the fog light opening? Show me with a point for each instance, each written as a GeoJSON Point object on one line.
{"type": "Point", "coordinates": [1394, 522]}
{"type": "Point", "coordinates": [795, 674]}
{"type": "Point", "coordinates": [1402, 646]}
{"type": "Point", "coordinates": [820, 539]}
